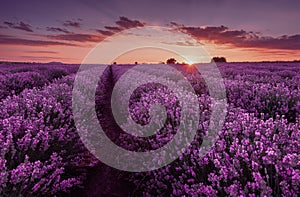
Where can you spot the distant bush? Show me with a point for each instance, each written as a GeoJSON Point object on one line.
{"type": "Point", "coordinates": [171, 61]}
{"type": "Point", "coordinates": [218, 59]}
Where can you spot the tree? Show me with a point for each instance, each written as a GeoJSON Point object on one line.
{"type": "Point", "coordinates": [171, 61]}
{"type": "Point", "coordinates": [218, 59]}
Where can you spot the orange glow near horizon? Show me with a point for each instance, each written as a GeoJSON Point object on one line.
{"type": "Point", "coordinates": [71, 54]}
{"type": "Point", "coordinates": [76, 55]}
{"type": "Point", "coordinates": [148, 55]}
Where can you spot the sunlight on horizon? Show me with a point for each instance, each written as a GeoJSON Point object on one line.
{"type": "Point", "coordinates": [148, 44]}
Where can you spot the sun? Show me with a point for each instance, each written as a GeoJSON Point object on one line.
{"type": "Point", "coordinates": [190, 62]}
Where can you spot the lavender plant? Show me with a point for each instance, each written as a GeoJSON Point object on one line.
{"type": "Point", "coordinates": [257, 151]}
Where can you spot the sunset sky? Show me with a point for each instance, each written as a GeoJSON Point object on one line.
{"type": "Point", "coordinates": [65, 31]}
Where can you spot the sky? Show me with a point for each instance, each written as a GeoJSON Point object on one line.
{"type": "Point", "coordinates": [66, 31]}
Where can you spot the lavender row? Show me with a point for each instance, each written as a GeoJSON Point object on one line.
{"type": "Point", "coordinates": [15, 78]}
{"type": "Point", "coordinates": [257, 152]}
{"type": "Point", "coordinates": [41, 153]}
{"type": "Point", "coordinates": [251, 157]}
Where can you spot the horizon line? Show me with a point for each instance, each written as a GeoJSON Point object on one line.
{"type": "Point", "coordinates": [183, 63]}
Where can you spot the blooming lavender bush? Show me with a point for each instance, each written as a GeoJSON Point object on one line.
{"type": "Point", "coordinates": [251, 157]}
{"type": "Point", "coordinates": [257, 151]}
{"type": "Point", "coordinates": [41, 153]}
{"type": "Point", "coordinates": [265, 100]}
{"type": "Point", "coordinates": [15, 83]}
{"type": "Point", "coordinates": [15, 78]}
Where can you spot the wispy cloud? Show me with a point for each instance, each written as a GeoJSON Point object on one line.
{"type": "Point", "coordinates": [72, 23]}
{"type": "Point", "coordinates": [127, 23]}
{"type": "Point", "coordinates": [182, 43]}
{"type": "Point", "coordinates": [42, 52]}
{"type": "Point", "coordinates": [21, 26]}
{"type": "Point", "coordinates": [44, 58]}
{"type": "Point", "coordinates": [122, 24]}
{"type": "Point", "coordinates": [57, 29]}
{"type": "Point", "coordinates": [66, 35]}
{"type": "Point", "coordinates": [10, 40]}
{"type": "Point", "coordinates": [114, 29]}
{"type": "Point", "coordinates": [105, 32]}
{"type": "Point", "coordinates": [77, 37]}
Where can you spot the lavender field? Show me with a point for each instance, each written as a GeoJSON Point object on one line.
{"type": "Point", "coordinates": [257, 152]}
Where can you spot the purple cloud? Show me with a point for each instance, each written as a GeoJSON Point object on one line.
{"type": "Point", "coordinates": [57, 29]}
{"type": "Point", "coordinates": [283, 42]}
{"type": "Point", "coordinates": [240, 38]}
{"type": "Point", "coordinates": [123, 23]}
{"type": "Point", "coordinates": [10, 24]}
{"type": "Point", "coordinates": [21, 26]}
{"type": "Point", "coordinates": [43, 58]}
{"type": "Point", "coordinates": [10, 40]}
{"type": "Point", "coordinates": [105, 32]}
{"type": "Point", "coordinates": [127, 23]}
{"type": "Point", "coordinates": [77, 37]}
{"type": "Point", "coordinates": [182, 43]}
{"type": "Point", "coordinates": [72, 23]}
{"type": "Point", "coordinates": [115, 29]}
